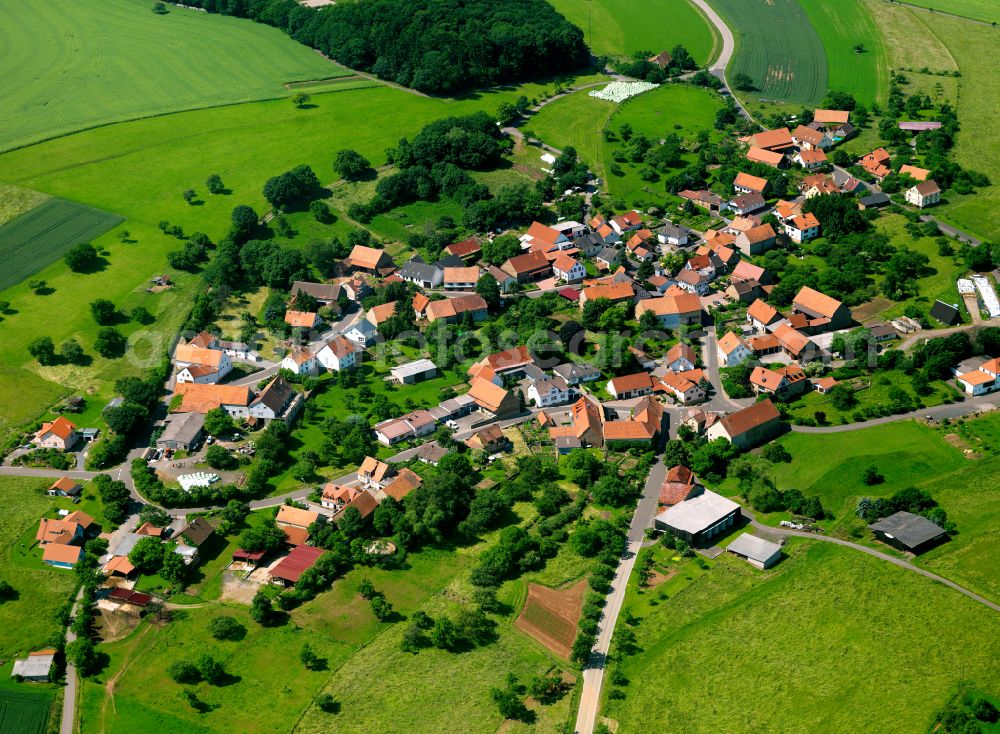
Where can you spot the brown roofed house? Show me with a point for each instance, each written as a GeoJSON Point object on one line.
{"type": "Point", "coordinates": [493, 399]}
{"type": "Point", "coordinates": [818, 306]}
{"type": "Point", "coordinates": [369, 259]}
{"type": "Point", "coordinates": [528, 267]}
{"type": "Point", "coordinates": [748, 427]}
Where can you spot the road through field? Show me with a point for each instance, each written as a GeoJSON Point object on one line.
{"type": "Point", "coordinates": [718, 69]}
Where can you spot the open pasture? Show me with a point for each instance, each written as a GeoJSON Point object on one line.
{"type": "Point", "coordinates": [778, 48]}
{"type": "Point", "coordinates": [42, 235]}
{"type": "Point", "coordinates": [830, 640]}
{"type": "Point", "coordinates": [73, 64]}
{"type": "Point", "coordinates": [620, 27]}
{"type": "Point", "coordinates": [987, 11]}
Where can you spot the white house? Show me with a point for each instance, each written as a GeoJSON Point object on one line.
{"type": "Point", "coordinates": [300, 361]}
{"type": "Point", "coordinates": [200, 364]}
{"type": "Point", "coordinates": [732, 350]}
{"type": "Point", "coordinates": [802, 228]}
{"type": "Point", "coordinates": [363, 333]}
{"type": "Point", "coordinates": [555, 391]}
{"type": "Point", "coordinates": [925, 193]}
{"type": "Point", "coordinates": [680, 358]}
{"type": "Point", "coordinates": [412, 425]}
{"type": "Point", "coordinates": [338, 354]}
{"type": "Point", "coordinates": [984, 380]}
{"type": "Point", "coordinates": [567, 268]}
{"type": "Point", "coordinates": [684, 390]}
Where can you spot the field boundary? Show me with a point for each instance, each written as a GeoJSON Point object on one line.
{"type": "Point", "coordinates": [717, 43]}
{"type": "Point", "coordinates": [935, 11]}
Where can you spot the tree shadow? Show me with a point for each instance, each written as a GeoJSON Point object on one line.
{"type": "Point", "coordinates": [196, 202]}
{"type": "Point", "coordinates": [97, 265]}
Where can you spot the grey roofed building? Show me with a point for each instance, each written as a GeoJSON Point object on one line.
{"type": "Point", "coordinates": [874, 199]}
{"type": "Point", "coordinates": [415, 270]}
{"type": "Point", "coordinates": [196, 532]}
{"type": "Point", "coordinates": [609, 255]}
{"type": "Point", "coordinates": [36, 666]}
{"type": "Point", "coordinates": [574, 373]}
{"type": "Point", "coordinates": [945, 313]}
{"type": "Point", "coordinates": [126, 542]}
{"type": "Point", "coordinates": [182, 432]}
{"type": "Point", "coordinates": [672, 233]}
{"type": "Point", "coordinates": [412, 371]}
{"type": "Point", "coordinates": [589, 243]}
{"type": "Point", "coordinates": [700, 518]}
{"type": "Point", "coordinates": [450, 261]}
{"type": "Point", "coordinates": [326, 292]}
{"type": "Point", "coordinates": [431, 453]}
{"type": "Point", "coordinates": [883, 332]}
{"type": "Point", "coordinates": [273, 400]}
{"type": "Point", "coordinates": [908, 532]}
{"type": "Point", "coordinates": [757, 551]}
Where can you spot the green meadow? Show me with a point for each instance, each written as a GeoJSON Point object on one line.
{"type": "Point", "coordinates": [830, 640]}
{"type": "Point", "coordinates": [73, 64]}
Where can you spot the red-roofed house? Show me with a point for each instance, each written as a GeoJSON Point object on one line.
{"type": "Point", "coordinates": [673, 310]}
{"type": "Point", "coordinates": [566, 268]}
{"type": "Point", "coordinates": [803, 227]}
{"type": "Point", "coordinates": [59, 434]}
{"type": "Point", "coordinates": [631, 386]}
{"type": "Point", "coordinates": [529, 267]}
{"type": "Point", "coordinates": [744, 183]}
{"type": "Point", "coordinates": [290, 569]}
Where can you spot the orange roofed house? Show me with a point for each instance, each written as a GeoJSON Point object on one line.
{"type": "Point", "coordinates": [59, 434]}
{"type": "Point", "coordinates": [527, 268]}
{"type": "Point", "coordinates": [824, 312]}
{"type": "Point", "coordinates": [778, 140]}
{"type": "Point", "coordinates": [744, 183]}
{"type": "Point", "coordinates": [877, 163]}
{"type": "Point", "coordinates": [586, 427]}
{"type": "Point", "coordinates": [199, 364]}
{"type": "Point", "coordinates": [234, 399]}
{"type": "Point", "coordinates": [673, 310]}
{"type": "Point", "coordinates": [748, 427]}
{"type": "Point", "coordinates": [493, 399]}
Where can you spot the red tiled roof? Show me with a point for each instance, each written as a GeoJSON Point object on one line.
{"type": "Point", "coordinates": [292, 566]}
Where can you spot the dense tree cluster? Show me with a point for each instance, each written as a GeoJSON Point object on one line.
{"type": "Point", "coordinates": [437, 46]}
{"type": "Point", "coordinates": [910, 499]}
{"type": "Point", "coordinates": [639, 66]}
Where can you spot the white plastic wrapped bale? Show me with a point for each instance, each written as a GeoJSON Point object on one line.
{"type": "Point", "coordinates": [620, 91]}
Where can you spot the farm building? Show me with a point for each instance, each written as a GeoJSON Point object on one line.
{"type": "Point", "coordinates": [411, 372]}
{"type": "Point", "coordinates": [290, 569]}
{"type": "Point", "coordinates": [699, 519]}
{"type": "Point", "coordinates": [908, 532]}
{"type": "Point", "coordinates": [36, 666]}
{"type": "Point", "coordinates": [757, 551]}
{"type": "Point", "coordinates": [183, 431]}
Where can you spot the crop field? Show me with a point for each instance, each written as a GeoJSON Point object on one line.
{"type": "Point", "coordinates": [778, 48]}
{"type": "Point", "coordinates": [550, 616]}
{"type": "Point", "coordinates": [830, 640]}
{"type": "Point", "coordinates": [72, 64]}
{"type": "Point", "coordinates": [842, 26]}
{"type": "Point", "coordinates": [42, 235]}
{"type": "Point", "coordinates": [27, 620]}
{"type": "Point", "coordinates": [985, 10]}
{"type": "Point", "coordinates": [619, 27]}
{"type": "Point", "coordinates": [24, 711]}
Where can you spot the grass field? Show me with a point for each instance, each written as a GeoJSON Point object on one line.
{"type": "Point", "coordinates": [24, 710]}
{"type": "Point", "coordinates": [27, 621]}
{"type": "Point", "coordinates": [985, 10]}
{"type": "Point", "coordinates": [41, 236]}
{"type": "Point", "coordinates": [72, 64]}
{"type": "Point", "coordinates": [976, 50]}
{"type": "Point", "coordinates": [618, 27]}
{"type": "Point", "coordinates": [579, 120]}
{"type": "Point", "coordinates": [778, 48]}
{"type": "Point", "coordinates": [140, 169]}
{"type": "Point", "coordinates": [828, 641]}
{"type": "Point", "coordinates": [842, 26]}
{"type": "Point", "coordinates": [830, 465]}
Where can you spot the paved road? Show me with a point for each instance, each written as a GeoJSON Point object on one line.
{"type": "Point", "coordinates": [718, 68]}
{"type": "Point", "coordinates": [710, 356]}
{"type": "Point", "coordinates": [788, 532]}
{"type": "Point", "coordinates": [69, 692]}
{"type": "Point", "coordinates": [593, 674]}
{"type": "Point", "coordinates": [918, 336]}
{"type": "Point", "coordinates": [969, 406]}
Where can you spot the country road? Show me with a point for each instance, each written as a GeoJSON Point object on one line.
{"type": "Point", "coordinates": [787, 532]}
{"type": "Point", "coordinates": [981, 403]}
{"type": "Point", "coordinates": [593, 674]}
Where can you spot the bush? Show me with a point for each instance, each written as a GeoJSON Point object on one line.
{"type": "Point", "coordinates": [226, 628]}
{"type": "Point", "coordinates": [182, 671]}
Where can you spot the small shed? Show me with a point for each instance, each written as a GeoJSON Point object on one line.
{"type": "Point", "coordinates": [908, 532]}
{"type": "Point", "coordinates": [756, 551]}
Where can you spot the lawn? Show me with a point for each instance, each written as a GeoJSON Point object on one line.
{"type": "Point", "coordinates": [140, 169]}
{"type": "Point", "coordinates": [576, 120]}
{"type": "Point", "coordinates": [41, 236]}
{"type": "Point", "coordinates": [620, 27]}
{"type": "Point", "coordinates": [73, 64]}
{"type": "Point", "coordinates": [841, 27]}
{"type": "Point", "coordinates": [28, 621]}
{"type": "Point", "coordinates": [828, 641]}
{"type": "Point", "coordinates": [778, 48]}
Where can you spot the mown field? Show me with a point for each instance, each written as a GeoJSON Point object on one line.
{"type": "Point", "coordinates": [15, 201]}
{"type": "Point", "coordinates": [830, 640]}
{"type": "Point", "coordinates": [42, 235]}
{"type": "Point", "coordinates": [778, 47]}
{"type": "Point", "coordinates": [618, 27]}
{"type": "Point", "coordinates": [72, 64]}
{"type": "Point", "coordinates": [140, 169]}
{"type": "Point", "coordinates": [841, 27]}
{"type": "Point", "coordinates": [24, 710]}
{"type": "Point", "coordinates": [27, 621]}
{"type": "Point", "coordinates": [985, 10]}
